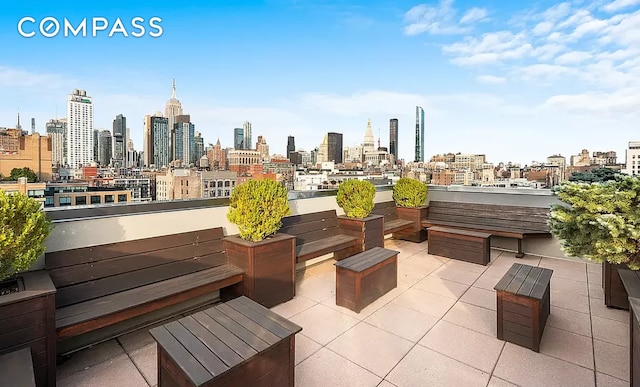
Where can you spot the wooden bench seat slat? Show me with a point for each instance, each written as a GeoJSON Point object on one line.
{"type": "Point", "coordinates": [196, 348]}
{"type": "Point", "coordinates": [293, 220]}
{"type": "Point", "coordinates": [325, 246]}
{"type": "Point", "coordinates": [188, 364]}
{"type": "Point", "coordinates": [489, 222]}
{"type": "Point", "coordinates": [302, 229]}
{"type": "Point", "coordinates": [103, 306]}
{"type": "Point", "coordinates": [460, 232]}
{"type": "Point", "coordinates": [276, 329]}
{"type": "Point", "coordinates": [518, 279]}
{"type": "Point", "coordinates": [529, 282]}
{"type": "Point", "coordinates": [241, 348]}
{"type": "Point", "coordinates": [252, 326]}
{"type": "Point", "coordinates": [540, 287]}
{"type": "Point", "coordinates": [228, 356]}
{"type": "Point", "coordinates": [364, 260]}
{"type": "Point", "coordinates": [291, 327]}
{"type": "Point", "coordinates": [237, 329]}
{"type": "Point", "coordinates": [507, 278]}
{"type": "Point", "coordinates": [397, 224]}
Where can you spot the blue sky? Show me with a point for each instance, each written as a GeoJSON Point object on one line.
{"type": "Point", "coordinates": [517, 81]}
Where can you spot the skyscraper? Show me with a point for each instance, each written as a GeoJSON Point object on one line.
{"type": "Point", "coordinates": [238, 138]}
{"type": "Point", "coordinates": [184, 142]}
{"type": "Point", "coordinates": [246, 128]}
{"type": "Point", "coordinates": [119, 134]}
{"type": "Point", "coordinates": [105, 150]}
{"type": "Point", "coordinates": [161, 146]}
{"type": "Point", "coordinates": [393, 138]}
{"type": "Point", "coordinates": [419, 155]}
{"type": "Point", "coordinates": [57, 130]}
{"type": "Point", "coordinates": [369, 144]}
{"type": "Point", "coordinates": [198, 146]}
{"type": "Point", "coordinates": [291, 146]}
{"type": "Point", "coordinates": [334, 148]}
{"type": "Point", "coordinates": [80, 150]}
{"type": "Point", "coordinates": [173, 107]}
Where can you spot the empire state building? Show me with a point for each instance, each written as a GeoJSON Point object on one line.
{"type": "Point", "coordinates": [173, 107]}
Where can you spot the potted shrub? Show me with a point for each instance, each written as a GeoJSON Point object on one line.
{"type": "Point", "coordinates": [268, 257]}
{"type": "Point", "coordinates": [27, 303]}
{"type": "Point", "coordinates": [410, 196]}
{"type": "Point", "coordinates": [355, 197]}
{"type": "Point", "coordinates": [601, 223]}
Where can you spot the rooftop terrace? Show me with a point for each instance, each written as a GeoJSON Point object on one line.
{"type": "Point", "coordinates": [438, 327]}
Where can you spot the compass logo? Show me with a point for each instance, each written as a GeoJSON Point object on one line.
{"type": "Point", "coordinates": [50, 27]}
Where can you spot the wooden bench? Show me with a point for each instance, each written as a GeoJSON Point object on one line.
{"type": "Point", "coordinates": [365, 277]}
{"type": "Point", "coordinates": [107, 290]}
{"type": "Point", "coordinates": [317, 234]}
{"type": "Point", "coordinates": [16, 369]}
{"type": "Point", "coordinates": [237, 343]}
{"type": "Point", "coordinates": [497, 220]}
{"type": "Point", "coordinates": [523, 301]}
{"type": "Point", "coordinates": [392, 223]}
{"type": "Point", "coordinates": [463, 245]}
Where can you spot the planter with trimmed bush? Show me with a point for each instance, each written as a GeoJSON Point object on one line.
{"type": "Point", "coordinates": [410, 196]}
{"type": "Point", "coordinates": [267, 257]}
{"type": "Point", "coordinates": [355, 197]}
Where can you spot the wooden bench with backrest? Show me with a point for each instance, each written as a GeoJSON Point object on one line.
{"type": "Point", "coordinates": [107, 290]}
{"type": "Point", "coordinates": [318, 234]}
{"type": "Point", "coordinates": [498, 220]}
{"type": "Point", "coordinates": [392, 223]}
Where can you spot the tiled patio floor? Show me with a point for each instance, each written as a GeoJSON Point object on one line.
{"type": "Point", "coordinates": [437, 328]}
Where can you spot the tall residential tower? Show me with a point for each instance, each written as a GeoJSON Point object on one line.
{"type": "Point", "coordinates": [419, 156]}
{"type": "Point", "coordinates": [80, 129]}
{"type": "Point", "coordinates": [393, 138]}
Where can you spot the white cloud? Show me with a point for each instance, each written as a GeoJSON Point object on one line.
{"type": "Point", "coordinates": [491, 79]}
{"type": "Point", "coordinates": [491, 48]}
{"type": "Point", "coordinates": [474, 15]}
{"type": "Point", "coordinates": [620, 4]}
{"type": "Point", "coordinates": [12, 77]}
{"type": "Point", "coordinates": [542, 28]}
{"type": "Point", "coordinates": [544, 71]}
{"type": "Point", "coordinates": [440, 19]}
{"type": "Point", "coordinates": [622, 102]}
{"type": "Point", "coordinates": [573, 57]}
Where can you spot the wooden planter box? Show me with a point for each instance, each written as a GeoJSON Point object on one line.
{"type": "Point", "coordinates": [634, 341]}
{"type": "Point", "coordinates": [369, 231]}
{"type": "Point", "coordinates": [27, 320]}
{"type": "Point", "coordinates": [615, 295]}
{"type": "Point", "coordinates": [269, 265]}
{"type": "Point", "coordinates": [418, 233]}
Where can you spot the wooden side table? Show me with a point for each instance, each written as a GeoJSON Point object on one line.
{"type": "Point", "coordinates": [237, 343]}
{"type": "Point", "coordinates": [523, 301]}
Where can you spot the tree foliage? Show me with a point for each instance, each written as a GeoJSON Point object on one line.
{"type": "Point", "coordinates": [23, 229]}
{"type": "Point", "coordinates": [598, 175]}
{"type": "Point", "coordinates": [257, 207]}
{"type": "Point", "coordinates": [409, 193]}
{"type": "Point", "coordinates": [17, 173]}
{"type": "Point", "coordinates": [602, 221]}
{"type": "Point", "coordinates": [355, 197]}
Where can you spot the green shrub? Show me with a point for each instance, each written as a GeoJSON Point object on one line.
{"type": "Point", "coordinates": [602, 221]}
{"type": "Point", "coordinates": [23, 229]}
{"type": "Point", "coordinates": [409, 193]}
{"type": "Point", "coordinates": [355, 197]}
{"type": "Point", "coordinates": [257, 207]}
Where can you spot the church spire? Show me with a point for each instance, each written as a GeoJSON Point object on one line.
{"type": "Point", "coordinates": [173, 90]}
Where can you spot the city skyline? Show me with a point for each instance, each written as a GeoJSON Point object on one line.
{"type": "Point", "coordinates": [516, 82]}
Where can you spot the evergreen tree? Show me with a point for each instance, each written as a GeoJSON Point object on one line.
{"type": "Point", "coordinates": [17, 173]}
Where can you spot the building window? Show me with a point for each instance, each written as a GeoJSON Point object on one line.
{"type": "Point", "coordinates": [122, 198]}
{"type": "Point", "coordinates": [95, 199]}
{"type": "Point", "coordinates": [108, 198]}
{"type": "Point", "coordinates": [65, 200]}
{"type": "Point", "coordinates": [81, 200]}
